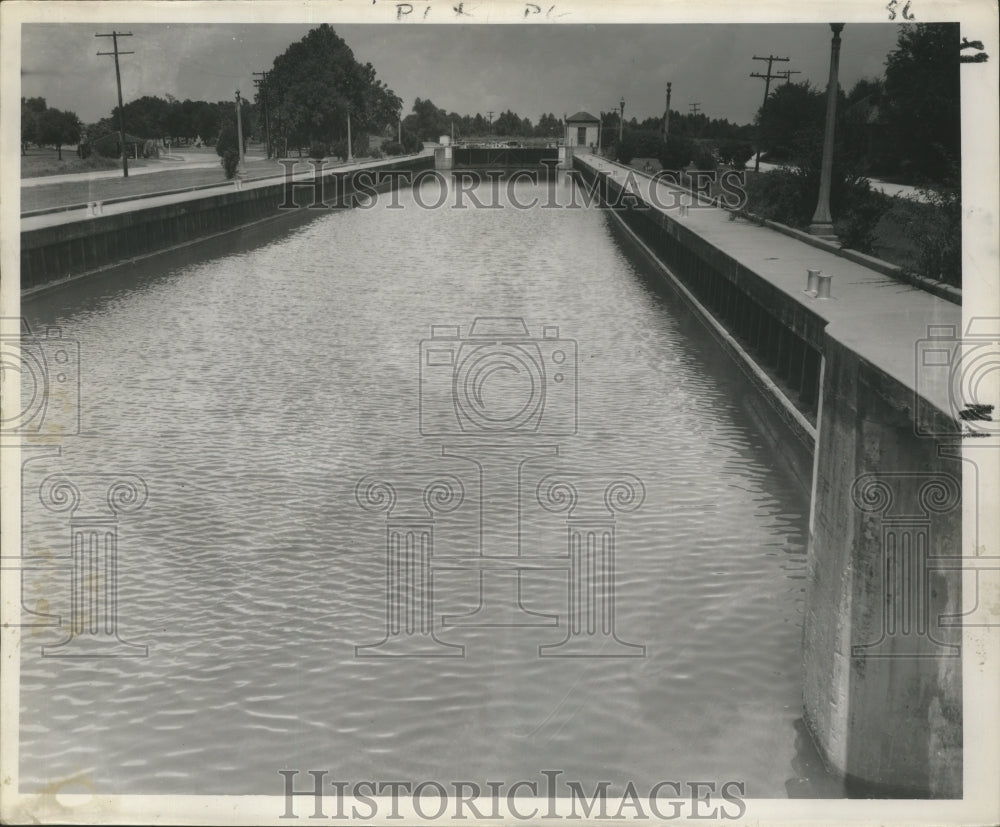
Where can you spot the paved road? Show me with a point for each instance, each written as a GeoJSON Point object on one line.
{"type": "Point", "coordinates": [306, 171]}
{"type": "Point", "coordinates": [167, 162]}
{"type": "Point", "coordinates": [878, 185]}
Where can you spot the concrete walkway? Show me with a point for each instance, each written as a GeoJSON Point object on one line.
{"type": "Point", "coordinates": [881, 318]}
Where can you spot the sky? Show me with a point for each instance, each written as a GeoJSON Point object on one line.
{"type": "Point", "coordinates": [530, 69]}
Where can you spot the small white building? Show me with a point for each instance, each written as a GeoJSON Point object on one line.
{"type": "Point", "coordinates": [581, 130]}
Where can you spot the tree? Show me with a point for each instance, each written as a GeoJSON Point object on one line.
{"type": "Point", "coordinates": [146, 117]}
{"type": "Point", "coordinates": [792, 114]}
{"type": "Point", "coordinates": [427, 121]}
{"type": "Point", "coordinates": [315, 83]}
{"type": "Point", "coordinates": [208, 121]}
{"type": "Point", "coordinates": [922, 100]}
{"type": "Point", "coordinates": [31, 108]}
{"type": "Point", "coordinates": [57, 127]}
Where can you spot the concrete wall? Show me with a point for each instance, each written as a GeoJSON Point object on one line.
{"type": "Point", "coordinates": [883, 695]}
{"type": "Point", "coordinates": [882, 672]}
{"type": "Point", "coordinates": [65, 250]}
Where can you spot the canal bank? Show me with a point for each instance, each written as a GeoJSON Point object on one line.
{"type": "Point", "coordinates": [883, 678]}
{"type": "Point", "coordinates": [58, 246]}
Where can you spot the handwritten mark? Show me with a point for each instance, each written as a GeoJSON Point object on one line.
{"type": "Point", "coordinates": [982, 57]}
{"type": "Point", "coordinates": [906, 10]}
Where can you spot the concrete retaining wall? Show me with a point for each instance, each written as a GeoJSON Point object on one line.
{"type": "Point", "coordinates": [883, 677]}
{"type": "Point", "coordinates": [882, 666]}
{"type": "Point", "coordinates": [65, 250]}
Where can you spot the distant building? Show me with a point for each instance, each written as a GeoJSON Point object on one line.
{"type": "Point", "coordinates": [581, 130]}
{"type": "Point", "coordinates": [110, 145]}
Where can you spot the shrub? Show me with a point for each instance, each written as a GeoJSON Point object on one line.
{"type": "Point", "coordinates": [676, 152]}
{"type": "Point", "coordinates": [704, 158]}
{"type": "Point", "coordinates": [318, 150]}
{"type": "Point", "coordinates": [788, 196]}
{"type": "Point", "coordinates": [860, 210]}
{"type": "Point", "coordinates": [411, 142]}
{"type": "Point", "coordinates": [227, 139]}
{"type": "Point", "coordinates": [637, 143]}
{"type": "Point", "coordinates": [736, 154]}
{"type": "Point", "coordinates": [338, 149]}
{"type": "Point", "coordinates": [230, 161]}
{"type": "Point", "coordinates": [937, 228]}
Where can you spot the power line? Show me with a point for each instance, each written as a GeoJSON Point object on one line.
{"type": "Point", "coordinates": [118, 77]}
{"type": "Point", "coordinates": [771, 59]}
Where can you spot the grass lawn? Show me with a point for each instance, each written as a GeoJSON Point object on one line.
{"type": "Point", "coordinates": [40, 162]}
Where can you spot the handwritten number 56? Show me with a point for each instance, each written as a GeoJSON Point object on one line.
{"type": "Point", "coordinates": [906, 10]}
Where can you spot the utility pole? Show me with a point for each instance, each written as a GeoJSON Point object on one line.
{"type": "Point", "coordinates": [262, 86]}
{"type": "Point", "coordinates": [666, 115]}
{"type": "Point", "coordinates": [771, 59]}
{"type": "Point", "coordinates": [118, 77]}
{"type": "Point", "coordinates": [239, 131]}
{"type": "Point", "coordinates": [693, 111]}
{"type": "Point", "coordinates": [787, 74]}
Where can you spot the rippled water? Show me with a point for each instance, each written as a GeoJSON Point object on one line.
{"type": "Point", "coordinates": [253, 381]}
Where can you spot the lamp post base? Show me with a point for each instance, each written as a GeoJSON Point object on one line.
{"type": "Point", "coordinates": [824, 230]}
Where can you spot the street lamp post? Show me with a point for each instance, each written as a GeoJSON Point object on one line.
{"type": "Point", "coordinates": [621, 123]}
{"type": "Point", "coordinates": [822, 221]}
{"type": "Point", "coordinates": [239, 132]}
